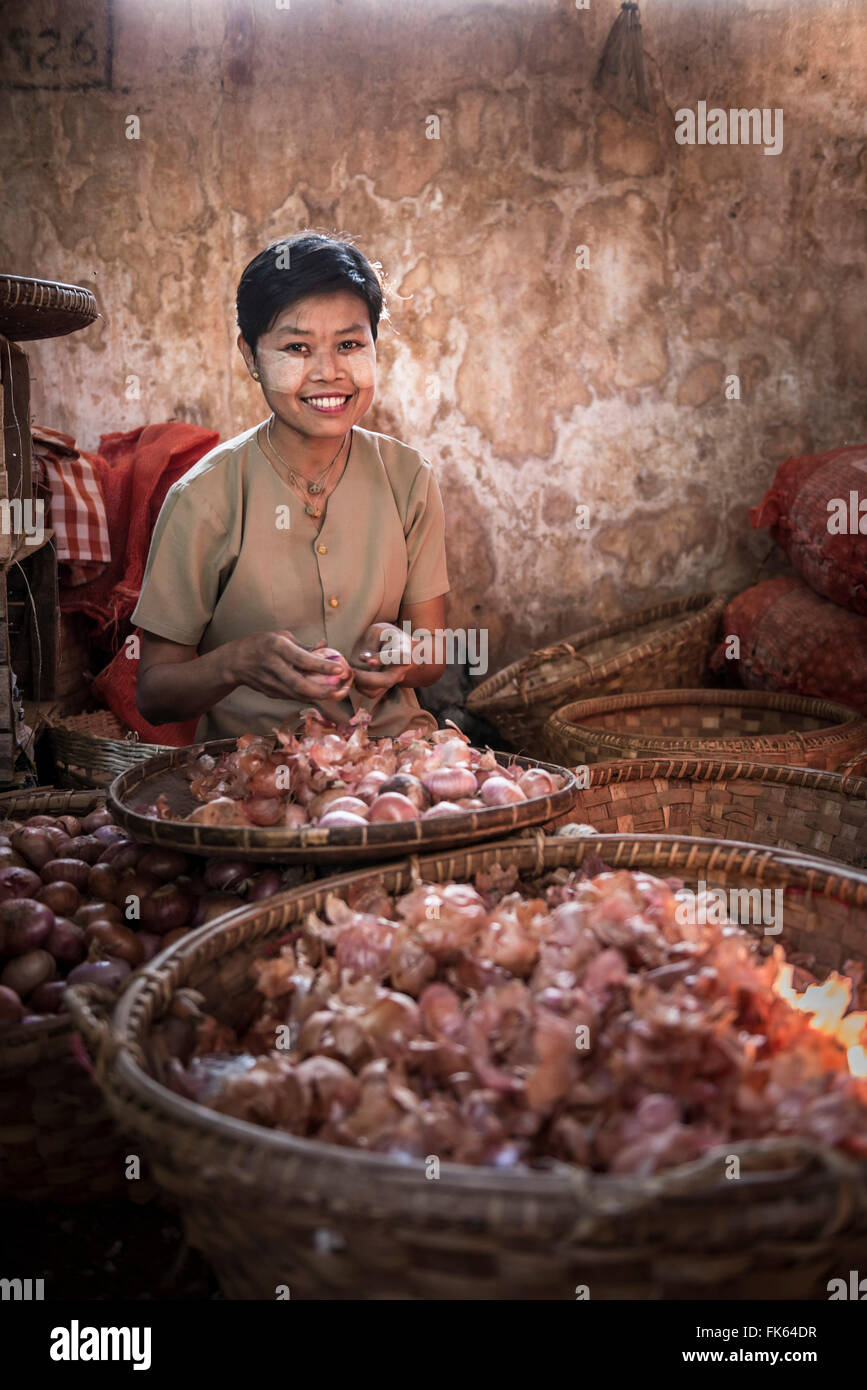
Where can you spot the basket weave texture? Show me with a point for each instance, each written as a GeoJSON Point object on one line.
{"type": "Point", "coordinates": [271, 1209]}
{"type": "Point", "coordinates": [665, 646]}
{"type": "Point", "coordinates": [759, 725]}
{"type": "Point", "coordinates": [795, 808]}
{"type": "Point", "coordinates": [58, 1141]}
{"type": "Point", "coordinates": [92, 749]}
{"type": "Point", "coordinates": [43, 308]}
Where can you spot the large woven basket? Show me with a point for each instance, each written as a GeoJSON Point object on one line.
{"type": "Point", "coordinates": [43, 308]}
{"type": "Point", "coordinates": [758, 725]}
{"type": "Point", "coordinates": [668, 645]}
{"type": "Point", "coordinates": [92, 749]}
{"type": "Point", "coordinates": [269, 1209]}
{"type": "Point", "coordinates": [771, 804]}
{"type": "Point", "coordinates": [57, 1140]}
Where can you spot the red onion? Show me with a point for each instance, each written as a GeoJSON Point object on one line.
{"type": "Point", "coordinates": [25, 973]}
{"type": "Point", "coordinates": [333, 820]}
{"type": "Point", "coordinates": [109, 834]}
{"type": "Point", "coordinates": [123, 854]}
{"type": "Point", "coordinates": [408, 786]}
{"type": "Point", "coordinates": [58, 838]}
{"type": "Point", "coordinates": [95, 819]}
{"type": "Point", "coordinates": [33, 843]}
{"type": "Point", "coordinates": [102, 882]}
{"type": "Point", "coordinates": [449, 783]}
{"type": "Point", "coordinates": [71, 824]}
{"type": "Point", "coordinates": [18, 883]}
{"type": "Point", "coordinates": [263, 810]}
{"type": "Point", "coordinates": [167, 908]}
{"type": "Point", "coordinates": [442, 808]}
{"type": "Point", "coordinates": [10, 857]}
{"type": "Point", "coordinates": [393, 806]}
{"type": "Point", "coordinates": [499, 791]}
{"type": "Point", "coordinates": [212, 905]}
{"type": "Point", "coordinates": [24, 925]}
{"type": "Point", "coordinates": [131, 883]}
{"type": "Point", "coordinates": [151, 944]}
{"type": "Point", "coordinates": [11, 1008]}
{"type": "Point", "coordinates": [265, 885]}
{"type": "Point", "coordinates": [109, 939]}
{"type": "Point", "coordinates": [64, 899]}
{"type": "Point", "coordinates": [47, 998]}
{"type": "Point", "coordinates": [85, 847]}
{"type": "Point", "coordinates": [167, 864]}
{"type": "Point", "coordinates": [108, 973]}
{"type": "Point", "coordinates": [66, 942]}
{"type": "Point", "coordinates": [97, 912]}
{"type": "Point", "coordinates": [42, 820]}
{"type": "Point", "coordinates": [68, 871]}
{"type": "Point", "coordinates": [229, 875]}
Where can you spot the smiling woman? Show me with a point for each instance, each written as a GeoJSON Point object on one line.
{"type": "Point", "coordinates": [289, 554]}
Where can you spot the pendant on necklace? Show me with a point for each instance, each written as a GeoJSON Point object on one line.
{"type": "Point", "coordinates": [312, 511]}
{"type": "Point", "coordinates": [314, 487]}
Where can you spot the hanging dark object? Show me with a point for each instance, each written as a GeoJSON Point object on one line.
{"type": "Point", "coordinates": [621, 77]}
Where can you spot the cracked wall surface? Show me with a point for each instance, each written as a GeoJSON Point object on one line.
{"type": "Point", "coordinates": [535, 383]}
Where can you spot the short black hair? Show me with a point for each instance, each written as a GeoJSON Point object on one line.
{"type": "Point", "coordinates": [307, 263]}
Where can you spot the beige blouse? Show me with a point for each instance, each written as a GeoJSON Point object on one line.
{"type": "Point", "coordinates": [222, 564]}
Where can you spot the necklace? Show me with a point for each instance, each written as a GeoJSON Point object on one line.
{"type": "Point", "coordinates": [317, 485]}
{"type": "Point", "coordinates": [311, 508]}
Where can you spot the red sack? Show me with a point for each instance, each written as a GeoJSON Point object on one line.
{"type": "Point", "coordinates": [796, 508]}
{"type": "Point", "coordinates": [115, 687]}
{"type": "Point", "coordinates": [136, 470]}
{"type": "Point", "coordinates": [793, 641]}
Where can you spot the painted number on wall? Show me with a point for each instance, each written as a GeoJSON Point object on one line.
{"type": "Point", "coordinates": [50, 44]}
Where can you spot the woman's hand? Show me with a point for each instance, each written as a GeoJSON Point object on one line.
{"type": "Point", "coordinates": [380, 659]}
{"type": "Point", "coordinates": [274, 664]}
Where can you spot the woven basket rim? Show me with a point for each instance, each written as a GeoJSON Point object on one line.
{"type": "Point", "coordinates": [125, 1082]}
{"type": "Point", "coordinates": [335, 844]}
{"type": "Point", "coordinates": [710, 769]}
{"type": "Point", "coordinates": [687, 613]}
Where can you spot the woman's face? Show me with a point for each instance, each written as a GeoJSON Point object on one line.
{"type": "Point", "coordinates": [319, 347]}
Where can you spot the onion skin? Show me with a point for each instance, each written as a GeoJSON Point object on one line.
{"type": "Point", "coordinates": [166, 909]}
{"type": "Point", "coordinates": [11, 1008]}
{"type": "Point", "coordinates": [18, 883]}
{"type": "Point", "coordinates": [25, 925]}
{"type": "Point", "coordinates": [48, 998]}
{"type": "Point", "coordinates": [64, 899]}
{"type": "Point", "coordinates": [499, 791]}
{"type": "Point", "coordinates": [167, 864]}
{"type": "Point", "coordinates": [73, 871]}
{"type": "Point", "coordinates": [109, 939]}
{"type": "Point", "coordinates": [392, 806]}
{"type": "Point", "coordinates": [25, 973]}
{"type": "Point", "coordinates": [371, 784]}
{"type": "Point", "coordinates": [213, 905]}
{"type": "Point", "coordinates": [66, 942]}
{"type": "Point", "coordinates": [321, 802]}
{"type": "Point", "coordinates": [94, 819]}
{"type": "Point", "coordinates": [108, 973]}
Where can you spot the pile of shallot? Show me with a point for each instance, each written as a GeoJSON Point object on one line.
{"type": "Point", "coordinates": [511, 1023]}
{"type": "Point", "coordinates": [328, 776]}
{"type": "Point", "coordinates": [81, 902]}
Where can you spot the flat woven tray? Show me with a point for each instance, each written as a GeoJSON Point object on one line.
{"type": "Point", "coordinates": [257, 1201]}
{"type": "Point", "coordinates": [758, 725]}
{"type": "Point", "coordinates": [386, 840]}
{"type": "Point", "coordinates": [665, 646]}
{"type": "Point", "coordinates": [43, 308]}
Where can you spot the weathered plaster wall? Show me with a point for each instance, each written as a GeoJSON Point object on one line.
{"type": "Point", "coordinates": [534, 385]}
